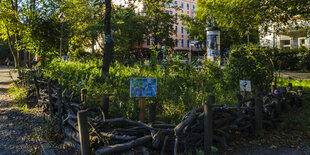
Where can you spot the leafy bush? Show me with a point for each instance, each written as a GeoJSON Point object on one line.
{"type": "Point", "coordinates": [290, 59]}
{"type": "Point", "coordinates": [250, 63]}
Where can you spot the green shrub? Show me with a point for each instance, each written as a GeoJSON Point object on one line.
{"type": "Point", "coordinates": [305, 60]}
{"type": "Point", "coordinates": [290, 59]}
{"type": "Point", "coordinates": [250, 63]}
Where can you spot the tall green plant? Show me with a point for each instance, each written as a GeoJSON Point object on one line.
{"type": "Point", "coordinates": [180, 87]}
{"type": "Point", "coordinates": [250, 63]}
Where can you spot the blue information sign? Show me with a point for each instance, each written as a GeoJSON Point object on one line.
{"type": "Point", "coordinates": [143, 87]}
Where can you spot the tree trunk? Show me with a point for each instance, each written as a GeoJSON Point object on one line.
{"type": "Point", "coordinates": [108, 47]}
{"type": "Point", "coordinates": [93, 46]}
{"type": "Point", "coordinates": [15, 53]}
{"type": "Point", "coordinates": [12, 39]}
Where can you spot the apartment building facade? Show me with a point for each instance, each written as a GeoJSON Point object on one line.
{"type": "Point", "coordinates": [183, 43]}
{"type": "Point", "coordinates": [289, 37]}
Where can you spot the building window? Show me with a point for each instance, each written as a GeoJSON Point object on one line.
{"type": "Point", "coordinates": [182, 5]}
{"type": "Point", "coordinates": [187, 6]}
{"type": "Point", "coordinates": [176, 29]}
{"type": "Point", "coordinates": [171, 13]}
{"type": "Point", "coordinates": [182, 29]}
{"type": "Point", "coordinates": [176, 3]}
{"type": "Point", "coordinates": [193, 7]}
{"type": "Point", "coordinates": [187, 43]}
{"type": "Point", "coordinates": [148, 41]}
{"type": "Point", "coordinates": [176, 43]}
{"type": "Point", "coordinates": [287, 42]}
{"type": "Point", "coordinates": [182, 42]}
{"type": "Point", "coordinates": [176, 16]}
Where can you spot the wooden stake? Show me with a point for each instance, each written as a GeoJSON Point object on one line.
{"type": "Point", "coordinates": [142, 109]}
{"type": "Point", "coordinates": [59, 104]}
{"type": "Point", "coordinates": [258, 115]}
{"type": "Point", "coordinates": [289, 87]}
{"type": "Point", "coordinates": [83, 132]}
{"type": "Point", "coordinates": [50, 102]}
{"type": "Point", "coordinates": [105, 106]}
{"type": "Point", "coordinates": [84, 96]}
{"type": "Point", "coordinates": [152, 112]}
{"type": "Point", "coordinates": [278, 107]}
{"type": "Point", "coordinates": [37, 88]}
{"type": "Point", "coordinates": [207, 122]}
{"type": "Point", "coordinates": [239, 103]}
{"type": "Point", "coordinates": [300, 91]}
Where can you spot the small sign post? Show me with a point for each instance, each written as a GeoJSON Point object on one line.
{"type": "Point", "coordinates": [245, 85]}
{"type": "Point", "coordinates": [143, 88]}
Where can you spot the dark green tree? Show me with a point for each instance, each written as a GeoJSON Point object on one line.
{"type": "Point", "coordinates": [11, 27]}
{"type": "Point", "coordinates": [159, 22]}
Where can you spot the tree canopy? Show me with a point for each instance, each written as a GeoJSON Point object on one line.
{"type": "Point", "coordinates": [239, 19]}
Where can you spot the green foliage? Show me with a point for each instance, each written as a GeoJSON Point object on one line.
{"type": "Point", "coordinates": [180, 87]}
{"type": "Point", "coordinates": [238, 19]}
{"type": "Point", "coordinates": [24, 108]}
{"type": "Point", "coordinates": [230, 14]}
{"type": "Point", "coordinates": [250, 63]}
{"type": "Point", "coordinates": [296, 82]}
{"type": "Point", "coordinates": [18, 93]}
{"type": "Point", "coordinates": [129, 29]}
{"type": "Point", "coordinates": [159, 23]}
{"type": "Point", "coordinates": [291, 59]}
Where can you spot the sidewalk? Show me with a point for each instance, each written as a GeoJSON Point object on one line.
{"type": "Point", "coordinates": [293, 75]}
{"type": "Point", "coordinates": [17, 126]}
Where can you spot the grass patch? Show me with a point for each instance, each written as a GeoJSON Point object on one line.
{"type": "Point", "coordinates": [296, 82]}
{"type": "Point", "coordinates": [18, 94]}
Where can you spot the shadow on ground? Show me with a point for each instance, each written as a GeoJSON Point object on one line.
{"type": "Point", "coordinates": [18, 130]}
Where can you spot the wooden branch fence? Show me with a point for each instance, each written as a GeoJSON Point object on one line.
{"type": "Point", "coordinates": [208, 125]}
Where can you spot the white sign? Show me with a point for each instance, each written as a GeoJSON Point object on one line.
{"type": "Point", "coordinates": [245, 85]}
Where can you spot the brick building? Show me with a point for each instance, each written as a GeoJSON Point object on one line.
{"type": "Point", "coordinates": [181, 37]}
